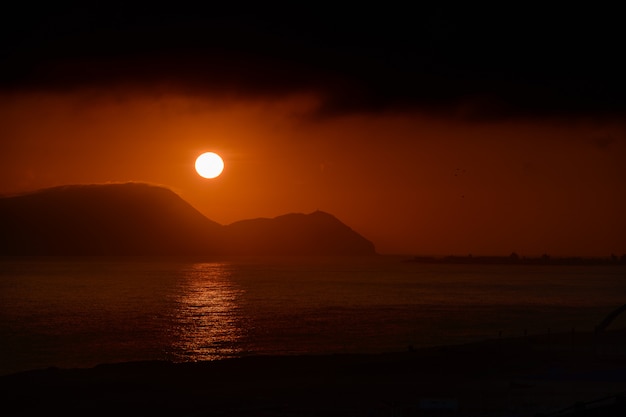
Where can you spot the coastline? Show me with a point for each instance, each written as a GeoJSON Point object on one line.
{"type": "Point", "coordinates": [509, 376]}
{"type": "Point", "coordinates": [515, 259]}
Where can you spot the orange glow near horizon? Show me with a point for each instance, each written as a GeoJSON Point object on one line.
{"type": "Point", "coordinates": [409, 183]}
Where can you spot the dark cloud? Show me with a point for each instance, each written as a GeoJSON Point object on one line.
{"type": "Point", "coordinates": [476, 63]}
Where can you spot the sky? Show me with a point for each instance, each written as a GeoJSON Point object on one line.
{"type": "Point", "coordinates": [442, 130]}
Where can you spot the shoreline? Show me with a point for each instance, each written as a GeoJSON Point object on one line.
{"type": "Point", "coordinates": [519, 376]}
{"type": "Point", "coordinates": [514, 259]}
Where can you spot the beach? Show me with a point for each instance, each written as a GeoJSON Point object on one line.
{"type": "Point", "coordinates": [550, 374]}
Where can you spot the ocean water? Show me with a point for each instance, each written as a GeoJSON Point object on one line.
{"type": "Point", "coordinates": [79, 312]}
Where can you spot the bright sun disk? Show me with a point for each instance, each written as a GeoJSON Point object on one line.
{"type": "Point", "coordinates": [209, 165]}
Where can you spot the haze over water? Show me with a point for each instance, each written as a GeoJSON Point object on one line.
{"type": "Point", "coordinates": [80, 312]}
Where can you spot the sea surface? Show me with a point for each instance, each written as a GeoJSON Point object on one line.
{"type": "Point", "coordinates": [80, 312]}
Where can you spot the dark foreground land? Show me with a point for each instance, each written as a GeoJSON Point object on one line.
{"type": "Point", "coordinates": [551, 375]}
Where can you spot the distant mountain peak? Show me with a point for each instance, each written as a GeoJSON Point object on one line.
{"type": "Point", "coordinates": [104, 219]}
{"type": "Point", "coordinates": [316, 233]}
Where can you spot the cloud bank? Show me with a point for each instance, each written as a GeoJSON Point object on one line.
{"type": "Point", "coordinates": [473, 63]}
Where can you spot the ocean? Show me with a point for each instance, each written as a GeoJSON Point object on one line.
{"type": "Point", "coordinates": [80, 312]}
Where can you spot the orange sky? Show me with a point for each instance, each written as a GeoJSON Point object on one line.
{"type": "Point", "coordinates": [453, 129]}
{"type": "Point", "coordinates": [410, 182]}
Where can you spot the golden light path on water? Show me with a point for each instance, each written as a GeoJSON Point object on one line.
{"type": "Point", "coordinates": [208, 320]}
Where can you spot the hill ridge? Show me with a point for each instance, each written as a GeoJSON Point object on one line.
{"type": "Point", "coordinates": [136, 218]}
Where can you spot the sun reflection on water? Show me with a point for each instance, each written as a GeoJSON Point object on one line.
{"type": "Point", "coordinates": [208, 323]}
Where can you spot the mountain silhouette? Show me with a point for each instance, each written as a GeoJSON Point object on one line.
{"type": "Point", "coordinates": [143, 219]}
{"type": "Point", "coordinates": [317, 233]}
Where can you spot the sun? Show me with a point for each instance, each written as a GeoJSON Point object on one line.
{"type": "Point", "coordinates": [209, 165]}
